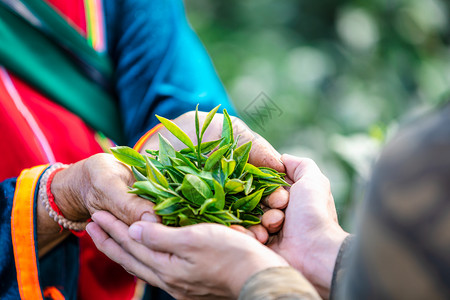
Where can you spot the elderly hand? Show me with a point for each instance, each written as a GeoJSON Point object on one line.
{"type": "Point", "coordinates": [261, 154]}
{"type": "Point", "coordinates": [311, 235]}
{"type": "Point", "coordinates": [99, 182]}
{"type": "Point", "coordinates": [203, 261]}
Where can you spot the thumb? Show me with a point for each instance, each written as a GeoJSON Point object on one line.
{"type": "Point", "coordinates": [159, 237]}
{"type": "Point", "coordinates": [297, 167]}
{"type": "Point", "coordinates": [263, 154]}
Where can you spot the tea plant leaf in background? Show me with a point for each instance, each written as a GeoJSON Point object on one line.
{"type": "Point", "coordinates": [200, 185]}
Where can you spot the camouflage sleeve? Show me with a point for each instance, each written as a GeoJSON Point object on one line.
{"type": "Point", "coordinates": [403, 245]}
{"type": "Point", "coordinates": [278, 283]}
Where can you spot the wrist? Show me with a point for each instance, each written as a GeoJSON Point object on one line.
{"type": "Point", "coordinates": [319, 266]}
{"type": "Point", "coordinates": [67, 194]}
{"type": "Point", "coordinates": [253, 265]}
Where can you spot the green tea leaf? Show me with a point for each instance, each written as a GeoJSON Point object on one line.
{"type": "Point", "coordinates": [215, 157]}
{"type": "Point", "coordinates": [152, 152]}
{"type": "Point", "coordinates": [248, 203]}
{"type": "Point", "coordinates": [197, 125]}
{"type": "Point", "coordinates": [195, 189]}
{"type": "Point", "coordinates": [185, 220]}
{"type": "Point", "coordinates": [176, 131]}
{"type": "Point", "coordinates": [208, 119]}
{"type": "Point", "coordinates": [128, 156]}
{"type": "Point", "coordinates": [167, 203]}
{"type": "Point", "coordinates": [248, 184]}
{"type": "Point", "coordinates": [227, 130]}
{"type": "Point", "coordinates": [249, 168]}
{"type": "Point", "coordinates": [147, 187]}
{"type": "Point", "coordinates": [166, 150]}
{"type": "Point", "coordinates": [234, 186]}
{"type": "Point", "coordinates": [219, 195]}
{"type": "Point", "coordinates": [206, 147]}
{"type": "Point", "coordinates": [138, 175]}
{"type": "Point", "coordinates": [154, 174]}
{"type": "Point", "coordinates": [241, 155]}
{"type": "Point", "coordinates": [249, 220]}
{"type": "Point", "coordinates": [172, 210]}
{"type": "Point", "coordinates": [186, 161]}
{"type": "Point", "coordinates": [208, 205]}
{"type": "Point", "coordinates": [228, 166]}
{"type": "Point", "coordinates": [227, 217]}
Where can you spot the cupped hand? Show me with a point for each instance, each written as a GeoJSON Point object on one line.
{"type": "Point", "coordinates": [311, 236]}
{"type": "Point", "coordinates": [99, 182]}
{"type": "Point", "coordinates": [203, 261]}
{"type": "Point", "coordinates": [262, 154]}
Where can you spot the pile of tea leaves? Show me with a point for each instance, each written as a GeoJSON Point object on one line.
{"type": "Point", "coordinates": [199, 184]}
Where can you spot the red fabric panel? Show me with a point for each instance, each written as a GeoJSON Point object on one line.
{"type": "Point", "coordinates": [73, 11]}
{"type": "Point", "coordinates": [71, 140]}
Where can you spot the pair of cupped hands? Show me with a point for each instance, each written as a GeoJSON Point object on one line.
{"type": "Point", "coordinates": [299, 227]}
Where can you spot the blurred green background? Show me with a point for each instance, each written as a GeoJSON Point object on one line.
{"type": "Point", "coordinates": [339, 75]}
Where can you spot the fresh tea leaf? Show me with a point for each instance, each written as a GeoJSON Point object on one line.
{"type": "Point", "coordinates": [128, 156]}
{"type": "Point", "coordinates": [155, 175]}
{"type": "Point", "coordinates": [208, 119]}
{"type": "Point", "coordinates": [166, 151]}
{"type": "Point", "coordinates": [195, 189]}
{"type": "Point", "coordinates": [234, 186]}
{"type": "Point", "coordinates": [228, 166]}
{"type": "Point", "coordinates": [219, 195]}
{"type": "Point", "coordinates": [227, 130]}
{"type": "Point", "coordinates": [176, 131]}
{"type": "Point", "coordinates": [241, 155]}
{"type": "Point", "coordinates": [206, 147]}
{"type": "Point", "coordinates": [215, 157]}
{"type": "Point", "coordinates": [248, 203]}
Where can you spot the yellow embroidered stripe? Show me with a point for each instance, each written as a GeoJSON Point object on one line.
{"type": "Point", "coordinates": [22, 232]}
{"type": "Point", "coordinates": [145, 137]}
{"type": "Point", "coordinates": [53, 293]}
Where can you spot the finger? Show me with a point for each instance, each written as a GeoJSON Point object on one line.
{"type": "Point", "coordinates": [273, 220]}
{"type": "Point", "coordinates": [128, 207]}
{"type": "Point", "coordinates": [260, 233]}
{"type": "Point", "coordinates": [163, 238]}
{"type": "Point", "coordinates": [113, 250]}
{"type": "Point", "coordinates": [118, 231]}
{"type": "Point", "coordinates": [297, 167]}
{"type": "Point", "coordinates": [278, 199]}
{"type": "Point", "coordinates": [243, 230]}
{"type": "Point", "coordinates": [263, 154]}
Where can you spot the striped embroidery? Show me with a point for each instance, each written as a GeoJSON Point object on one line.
{"type": "Point", "coordinates": [26, 114]}
{"type": "Point", "coordinates": [95, 25]}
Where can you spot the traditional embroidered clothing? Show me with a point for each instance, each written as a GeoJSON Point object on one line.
{"type": "Point", "coordinates": [69, 70]}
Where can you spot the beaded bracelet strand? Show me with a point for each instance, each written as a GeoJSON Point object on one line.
{"type": "Point", "coordinates": [48, 200]}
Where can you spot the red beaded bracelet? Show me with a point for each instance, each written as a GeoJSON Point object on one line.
{"type": "Point", "coordinates": [48, 200]}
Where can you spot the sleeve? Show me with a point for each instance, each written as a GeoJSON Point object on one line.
{"type": "Point", "coordinates": [403, 245]}
{"type": "Point", "coordinates": [341, 266]}
{"type": "Point", "coordinates": [278, 283]}
{"type": "Point", "coordinates": [22, 274]}
{"type": "Point", "coordinates": [161, 67]}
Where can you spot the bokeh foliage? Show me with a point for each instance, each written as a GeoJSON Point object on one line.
{"type": "Point", "coordinates": [343, 73]}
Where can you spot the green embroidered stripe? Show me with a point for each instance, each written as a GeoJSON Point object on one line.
{"type": "Point", "coordinates": [35, 58]}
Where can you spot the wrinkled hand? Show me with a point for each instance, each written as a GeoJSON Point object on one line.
{"type": "Point", "coordinates": [311, 235]}
{"type": "Point", "coordinates": [203, 261]}
{"type": "Point", "coordinates": [99, 182]}
{"type": "Point", "coordinates": [261, 154]}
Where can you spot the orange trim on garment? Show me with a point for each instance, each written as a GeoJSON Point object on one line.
{"type": "Point", "coordinates": [145, 137]}
{"type": "Point", "coordinates": [53, 293]}
{"type": "Point", "coordinates": [22, 232]}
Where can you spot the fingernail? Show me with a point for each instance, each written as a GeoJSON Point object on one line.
{"type": "Point", "coordinates": [148, 217]}
{"type": "Point", "coordinates": [87, 229]}
{"type": "Point", "coordinates": [135, 232]}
